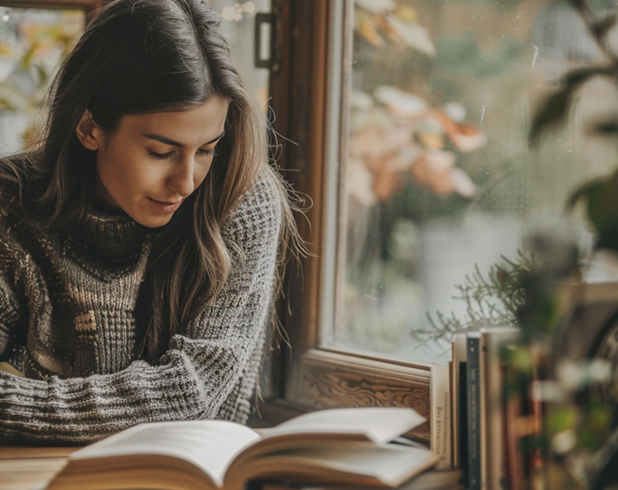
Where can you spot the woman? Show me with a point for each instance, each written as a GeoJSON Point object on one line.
{"type": "Point", "coordinates": [139, 236]}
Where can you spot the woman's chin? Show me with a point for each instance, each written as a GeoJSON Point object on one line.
{"type": "Point", "coordinates": [152, 221]}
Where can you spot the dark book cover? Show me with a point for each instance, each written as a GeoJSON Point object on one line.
{"type": "Point", "coordinates": [463, 420]}
{"type": "Point", "coordinates": [474, 411]}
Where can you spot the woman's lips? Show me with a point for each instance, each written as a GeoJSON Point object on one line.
{"type": "Point", "coordinates": [165, 207]}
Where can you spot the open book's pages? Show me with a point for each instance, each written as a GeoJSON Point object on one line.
{"type": "Point", "coordinates": [379, 425]}
{"type": "Point", "coordinates": [337, 446]}
{"type": "Point", "coordinates": [447, 479]}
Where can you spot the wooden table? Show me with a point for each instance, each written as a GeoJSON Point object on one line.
{"type": "Point", "coordinates": [29, 468]}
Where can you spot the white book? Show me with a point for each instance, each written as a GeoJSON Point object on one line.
{"type": "Point", "coordinates": [441, 415]}
{"type": "Point", "coordinates": [344, 446]}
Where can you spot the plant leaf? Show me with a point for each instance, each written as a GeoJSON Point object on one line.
{"type": "Point", "coordinates": [605, 127]}
{"type": "Point", "coordinates": [583, 192]}
{"type": "Point", "coordinates": [575, 78]}
{"type": "Point", "coordinates": [580, 5]}
{"type": "Point", "coordinates": [555, 107]}
{"type": "Point", "coordinates": [551, 113]}
{"type": "Point", "coordinates": [601, 27]}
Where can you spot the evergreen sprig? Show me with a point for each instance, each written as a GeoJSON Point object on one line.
{"type": "Point", "coordinates": [493, 299]}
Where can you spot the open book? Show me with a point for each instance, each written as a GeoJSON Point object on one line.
{"type": "Point", "coordinates": [346, 446]}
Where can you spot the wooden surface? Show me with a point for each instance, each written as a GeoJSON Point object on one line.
{"type": "Point", "coordinates": [29, 468]}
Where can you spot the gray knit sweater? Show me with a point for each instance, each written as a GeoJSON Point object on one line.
{"type": "Point", "coordinates": [67, 321]}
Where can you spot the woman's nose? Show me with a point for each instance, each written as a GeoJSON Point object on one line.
{"type": "Point", "coordinates": [181, 179]}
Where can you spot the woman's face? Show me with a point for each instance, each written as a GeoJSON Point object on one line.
{"type": "Point", "coordinates": [152, 162]}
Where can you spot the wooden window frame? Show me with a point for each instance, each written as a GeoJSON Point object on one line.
{"type": "Point", "coordinates": [305, 375]}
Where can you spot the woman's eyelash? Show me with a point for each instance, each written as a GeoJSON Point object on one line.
{"type": "Point", "coordinates": [161, 156]}
{"type": "Point", "coordinates": [211, 152]}
{"type": "Point", "coordinates": [165, 156]}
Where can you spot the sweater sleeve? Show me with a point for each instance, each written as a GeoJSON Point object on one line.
{"type": "Point", "coordinates": [194, 377]}
{"type": "Point", "coordinates": [13, 312]}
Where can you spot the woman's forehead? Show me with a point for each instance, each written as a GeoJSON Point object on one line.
{"type": "Point", "coordinates": [202, 123]}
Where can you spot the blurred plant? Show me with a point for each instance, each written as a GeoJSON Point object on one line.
{"type": "Point", "coordinates": [494, 299]}
{"type": "Point", "coordinates": [381, 21]}
{"type": "Point", "coordinates": [586, 441]}
{"type": "Point", "coordinates": [396, 136]}
{"type": "Point", "coordinates": [600, 196]}
{"type": "Point", "coordinates": [29, 53]}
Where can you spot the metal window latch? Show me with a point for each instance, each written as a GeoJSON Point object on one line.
{"type": "Point", "coordinates": [264, 37]}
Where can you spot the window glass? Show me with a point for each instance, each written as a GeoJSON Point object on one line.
{"type": "Point", "coordinates": [32, 42]}
{"type": "Point", "coordinates": [438, 176]}
{"type": "Point", "coordinates": [238, 23]}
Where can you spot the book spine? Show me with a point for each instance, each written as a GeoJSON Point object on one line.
{"type": "Point", "coordinates": [483, 410]}
{"type": "Point", "coordinates": [474, 413]}
{"type": "Point", "coordinates": [463, 419]}
{"type": "Point", "coordinates": [454, 378]}
{"type": "Point", "coordinates": [441, 415]}
{"type": "Point", "coordinates": [457, 398]}
{"type": "Point", "coordinates": [493, 372]}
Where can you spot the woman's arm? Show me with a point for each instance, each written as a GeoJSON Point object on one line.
{"type": "Point", "coordinates": [13, 311]}
{"type": "Point", "coordinates": [196, 376]}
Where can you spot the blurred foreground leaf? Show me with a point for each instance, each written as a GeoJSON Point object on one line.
{"type": "Point", "coordinates": [554, 109]}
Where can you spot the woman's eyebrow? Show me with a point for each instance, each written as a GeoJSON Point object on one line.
{"type": "Point", "coordinates": [168, 141]}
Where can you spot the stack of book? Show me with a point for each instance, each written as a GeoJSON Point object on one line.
{"type": "Point", "coordinates": [474, 424]}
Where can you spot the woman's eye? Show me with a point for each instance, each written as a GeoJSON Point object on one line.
{"type": "Point", "coordinates": [207, 153]}
{"type": "Point", "coordinates": [161, 156]}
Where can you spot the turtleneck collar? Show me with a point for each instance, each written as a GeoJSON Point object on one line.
{"type": "Point", "coordinates": [112, 236]}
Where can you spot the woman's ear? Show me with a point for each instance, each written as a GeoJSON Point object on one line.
{"type": "Point", "coordinates": [88, 132]}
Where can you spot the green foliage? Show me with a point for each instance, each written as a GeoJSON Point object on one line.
{"type": "Point", "coordinates": [601, 199]}
{"type": "Point", "coordinates": [497, 298]}
{"type": "Point", "coordinates": [554, 109]}
{"type": "Point", "coordinates": [600, 195]}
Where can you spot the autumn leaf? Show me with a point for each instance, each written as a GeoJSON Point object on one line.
{"type": "Point", "coordinates": [433, 171]}
{"type": "Point", "coordinates": [432, 140]}
{"type": "Point", "coordinates": [373, 143]}
{"type": "Point", "coordinates": [465, 137]}
{"type": "Point", "coordinates": [390, 171]}
{"type": "Point", "coordinates": [378, 7]}
{"type": "Point", "coordinates": [462, 183]}
{"type": "Point", "coordinates": [367, 28]}
{"type": "Point", "coordinates": [413, 34]}
{"type": "Point", "coordinates": [360, 183]}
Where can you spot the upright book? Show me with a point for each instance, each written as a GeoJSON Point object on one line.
{"type": "Point", "coordinates": [441, 415]}
{"type": "Point", "coordinates": [474, 407]}
{"type": "Point", "coordinates": [344, 446]}
{"type": "Point", "coordinates": [458, 400]}
{"type": "Point", "coordinates": [493, 425]}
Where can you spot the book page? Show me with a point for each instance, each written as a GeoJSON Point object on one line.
{"type": "Point", "coordinates": [209, 444]}
{"type": "Point", "coordinates": [388, 464]}
{"type": "Point", "coordinates": [379, 425]}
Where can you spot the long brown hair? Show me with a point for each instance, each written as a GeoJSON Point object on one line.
{"type": "Point", "coordinates": [140, 56]}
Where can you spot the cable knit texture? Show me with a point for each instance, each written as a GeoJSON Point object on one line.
{"type": "Point", "coordinates": [67, 321]}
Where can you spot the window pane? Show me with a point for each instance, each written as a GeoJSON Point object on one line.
{"type": "Point", "coordinates": [439, 177]}
{"type": "Point", "coordinates": [238, 24]}
{"type": "Point", "coordinates": [32, 42]}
